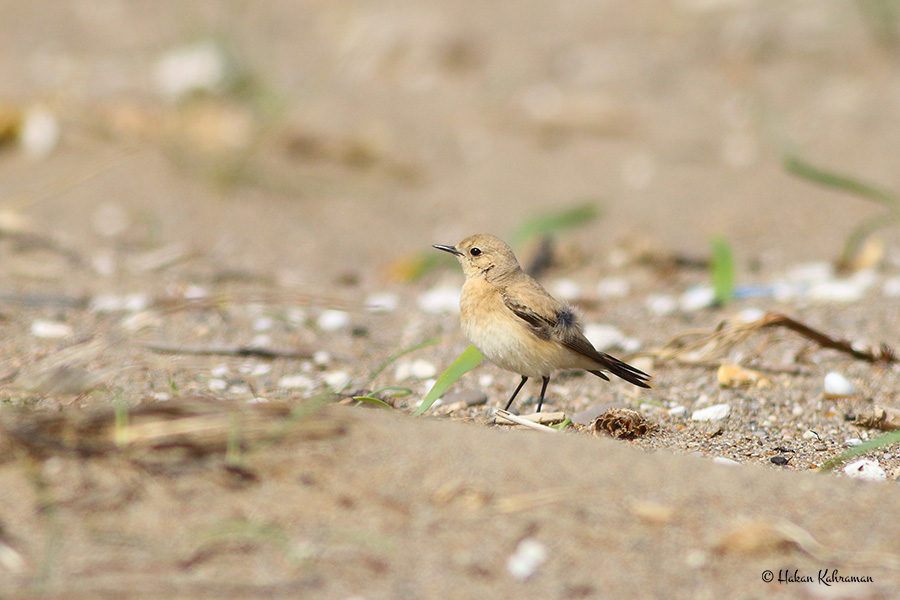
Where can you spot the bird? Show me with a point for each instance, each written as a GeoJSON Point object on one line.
{"type": "Point", "coordinates": [518, 325]}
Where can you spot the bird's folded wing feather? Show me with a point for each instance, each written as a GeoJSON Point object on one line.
{"type": "Point", "coordinates": [557, 322]}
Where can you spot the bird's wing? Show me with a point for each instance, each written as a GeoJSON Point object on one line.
{"type": "Point", "coordinates": [540, 315]}
{"type": "Point", "coordinates": [549, 319]}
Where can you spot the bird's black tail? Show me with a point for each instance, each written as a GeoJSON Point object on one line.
{"type": "Point", "coordinates": [622, 370]}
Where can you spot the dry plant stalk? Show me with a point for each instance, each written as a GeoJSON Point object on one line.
{"type": "Point", "coordinates": [199, 425]}
{"type": "Point", "coordinates": [711, 346]}
{"type": "Point", "coordinates": [880, 417]}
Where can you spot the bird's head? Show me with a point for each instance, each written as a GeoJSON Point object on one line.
{"type": "Point", "coordinates": [484, 255]}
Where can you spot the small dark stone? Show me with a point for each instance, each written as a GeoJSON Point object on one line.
{"type": "Point", "coordinates": [779, 460]}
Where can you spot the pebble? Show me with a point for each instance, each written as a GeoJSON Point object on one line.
{"type": "Point", "coordinates": [219, 371]}
{"type": "Point", "coordinates": [811, 272]}
{"type": "Point", "coordinates": [422, 369]}
{"type": "Point", "coordinates": [528, 557]}
{"type": "Point", "coordinates": [696, 298]}
{"type": "Point", "coordinates": [865, 469]}
{"type": "Point", "coordinates": [748, 315]}
{"type": "Point", "coordinates": [295, 382]}
{"type": "Point", "coordinates": [852, 442]}
{"type": "Point", "coordinates": [198, 67]}
{"type": "Point", "coordinates": [486, 380]}
{"type": "Point", "coordinates": [661, 304]}
{"type": "Point", "coordinates": [837, 385]}
{"type": "Point", "coordinates": [337, 380]}
{"type": "Point", "coordinates": [195, 292]}
{"type": "Point", "coordinates": [809, 434]}
{"type": "Point", "coordinates": [39, 132]}
{"type": "Point", "coordinates": [263, 323]}
{"type": "Point", "coordinates": [566, 289]}
{"type": "Point", "coordinates": [217, 385]}
{"type": "Point", "coordinates": [261, 369]}
{"type": "Point", "coordinates": [332, 320]}
{"type": "Point", "coordinates": [604, 337]}
{"type": "Point", "coordinates": [440, 300]}
{"type": "Point", "coordinates": [721, 460]}
{"type": "Point", "coordinates": [43, 328]}
{"type": "Point", "coordinates": [715, 412]}
{"type": "Point", "coordinates": [321, 358]}
{"type": "Point", "coordinates": [891, 287]}
{"type": "Point", "coordinates": [383, 302]}
{"type": "Point", "coordinates": [109, 303]}
{"type": "Point", "coordinates": [677, 411]}
{"type": "Point", "coordinates": [613, 287]}
{"type": "Point", "coordinates": [419, 369]}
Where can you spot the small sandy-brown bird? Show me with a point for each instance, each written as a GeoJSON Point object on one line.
{"type": "Point", "coordinates": [518, 325]}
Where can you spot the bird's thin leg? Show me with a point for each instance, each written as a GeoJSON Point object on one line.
{"type": "Point", "coordinates": [543, 389]}
{"type": "Point", "coordinates": [513, 397]}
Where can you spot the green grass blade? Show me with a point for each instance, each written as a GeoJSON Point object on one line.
{"type": "Point", "coordinates": [387, 363]}
{"type": "Point", "coordinates": [373, 400]}
{"type": "Point", "coordinates": [722, 270]}
{"type": "Point", "coordinates": [797, 166]}
{"type": "Point", "coordinates": [554, 222]}
{"type": "Point", "coordinates": [879, 442]}
{"type": "Point", "coordinates": [465, 362]}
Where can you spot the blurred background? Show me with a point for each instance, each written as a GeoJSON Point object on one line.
{"type": "Point", "coordinates": [322, 140]}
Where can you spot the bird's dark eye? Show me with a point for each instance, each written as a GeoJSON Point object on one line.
{"type": "Point", "coordinates": [475, 252]}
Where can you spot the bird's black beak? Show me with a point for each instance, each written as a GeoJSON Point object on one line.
{"type": "Point", "coordinates": [450, 249]}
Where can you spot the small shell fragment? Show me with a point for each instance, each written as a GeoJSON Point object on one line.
{"type": "Point", "coordinates": [731, 375]}
{"type": "Point", "coordinates": [865, 469]}
{"type": "Point", "coordinates": [715, 412]}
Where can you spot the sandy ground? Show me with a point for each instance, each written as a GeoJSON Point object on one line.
{"type": "Point", "coordinates": [336, 144]}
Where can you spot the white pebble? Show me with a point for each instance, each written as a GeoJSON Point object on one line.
{"type": "Point", "coordinates": [383, 302]}
{"type": "Point", "coordinates": [39, 132]}
{"type": "Point", "coordinates": [865, 469]}
{"type": "Point", "coordinates": [677, 411]}
{"type": "Point", "coordinates": [219, 371]}
{"type": "Point", "coordinates": [715, 412]}
{"type": "Point", "coordinates": [697, 297]}
{"type": "Point", "coordinates": [263, 323]}
{"type": "Point", "coordinates": [809, 434]}
{"type": "Point", "coordinates": [661, 304]}
{"type": "Point", "coordinates": [217, 385]}
{"type": "Point", "coordinates": [891, 287]}
{"type": "Point", "coordinates": [321, 358]}
{"type": "Point", "coordinates": [257, 400]}
{"type": "Point", "coordinates": [261, 340]}
{"type": "Point", "coordinates": [613, 287]}
{"type": "Point", "coordinates": [42, 328]}
{"type": "Point", "coordinates": [721, 460]}
{"type": "Point", "coordinates": [337, 380]}
{"type": "Point", "coordinates": [162, 396]}
{"type": "Point", "coordinates": [195, 292]}
{"type": "Point", "coordinates": [812, 272]}
{"type": "Point", "coordinates": [261, 369]}
{"type": "Point", "coordinates": [525, 561]}
{"type": "Point", "coordinates": [604, 337]}
{"type": "Point", "coordinates": [107, 303]}
{"type": "Point", "coordinates": [197, 67]}
{"type": "Point", "coordinates": [486, 380]}
{"type": "Point", "coordinates": [852, 442]}
{"type": "Point", "coordinates": [332, 320]}
{"type": "Point", "coordinates": [566, 289]}
{"type": "Point", "coordinates": [295, 382]}
{"type": "Point", "coordinates": [838, 290]}
{"type": "Point", "coordinates": [422, 369]}
{"type": "Point", "coordinates": [440, 300]}
{"type": "Point", "coordinates": [797, 410]}
{"type": "Point", "coordinates": [837, 385]}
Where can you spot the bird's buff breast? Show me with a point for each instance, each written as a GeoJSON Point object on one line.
{"type": "Point", "coordinates": [502, 337]}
